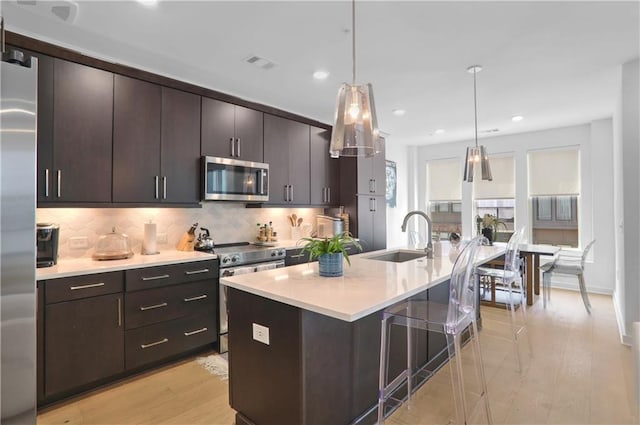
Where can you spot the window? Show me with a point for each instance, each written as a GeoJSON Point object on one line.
{"type": "Point", "coordinates": [554, 187]}
{"type": "Point", "coordinates": [446, 217]}
{"type": "Point", "coordinates": [555, 220]}
{"type": "Point", "coordinates": [497, 197]}
{"type": "Point", "coordinates": [444, 195]}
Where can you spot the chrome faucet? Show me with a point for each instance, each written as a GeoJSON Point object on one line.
{"type": "Point", "coordinates": [429, 248]}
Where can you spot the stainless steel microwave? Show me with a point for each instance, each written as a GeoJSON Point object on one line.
{"type": "Point", "coordinates": [234, 180]}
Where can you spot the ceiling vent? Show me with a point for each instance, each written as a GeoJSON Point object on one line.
{"type": "Point", "coordinates": [260, 62]}
{"type": "Point", "coordinates": [66, 11]}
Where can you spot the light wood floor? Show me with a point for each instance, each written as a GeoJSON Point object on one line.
{"type": "Point", "coordinates": [579, 374]}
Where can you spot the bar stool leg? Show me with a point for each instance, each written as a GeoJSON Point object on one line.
{"type": "Point", "coordinates": [383, 369]}
{"type": "Point", "coordinates": [583, 292]}
{"type": "Point", "coordinates": [477, 356]}
{"type": "Point", "coordinates": [457, 377]}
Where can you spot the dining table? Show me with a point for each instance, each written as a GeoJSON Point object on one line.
{"type": "Point", "coordinates": [531, 254]}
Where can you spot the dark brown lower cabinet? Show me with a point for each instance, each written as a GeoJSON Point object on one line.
{"type": "Point", "coordinates": [95, 328]}
{"type": "Point", "coordinates": [84, 342]}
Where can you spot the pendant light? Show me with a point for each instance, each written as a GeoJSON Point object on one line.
{"type": "Point", "coordinates": [355, 129]}
{"type": "Point", "coordinates": [477, 154]}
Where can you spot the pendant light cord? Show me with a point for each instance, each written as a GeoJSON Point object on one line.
{"type": "Point", "coordinates": [353, 39]}
{"type": "Point", "coordinates": [475, 105]}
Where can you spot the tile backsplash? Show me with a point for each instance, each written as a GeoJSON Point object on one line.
{"type": "Point", "coordinates": [228, 222]}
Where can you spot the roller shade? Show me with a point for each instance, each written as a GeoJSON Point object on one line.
{"type": "Point", "coordinates": [554, 172]}
{"type": "Point", "coordinates": [444, 180]}
{"type": "Point", "coordinates": [503, 185]}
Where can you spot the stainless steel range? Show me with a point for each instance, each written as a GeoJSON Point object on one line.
{"type": "Point", "coordinates": [242, 258]}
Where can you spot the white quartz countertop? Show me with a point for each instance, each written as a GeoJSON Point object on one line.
{"type": "Point", "coordinates": [81, 266]}
{"type": "Point", "coordinates": [367, 285]}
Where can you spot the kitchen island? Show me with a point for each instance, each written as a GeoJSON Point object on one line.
{"type": "Point", "coordinates": [304, 349]}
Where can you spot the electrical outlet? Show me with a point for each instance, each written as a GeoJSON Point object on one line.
{"type": "Point", "coordinates": [161, 238]}
{"type": "Point", "coordinates": [78, 242]}
{"type": "Point", "coordinates": [261, 333]}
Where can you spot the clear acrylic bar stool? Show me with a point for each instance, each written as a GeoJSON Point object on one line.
{"type": "Point", "coordinates": [452, 320]}
{"type": "Point", "coordinates": [516, 300]}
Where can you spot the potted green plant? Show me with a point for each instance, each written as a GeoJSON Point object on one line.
{"type": "Point", "coordinates": [490, 224]}
{"type": "Point", "coordinates": [329, 252]}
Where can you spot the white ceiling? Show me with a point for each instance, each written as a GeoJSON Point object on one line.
{"type": "Point", "coordinates": [555, 63]}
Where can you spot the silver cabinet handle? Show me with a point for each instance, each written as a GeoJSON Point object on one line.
{"type": "Point", "coordinates": [372, 206]}
{"type": "Point", "coordinates": [195, 332]}
{"type": "Point", "coordinates": [153, 307]}
{"type": "Point", "coordinates": [119, 312]}
{"type": "Point", "coordinates": [375, 186]}
{"type": "Point", "coordinates": [324, 195]}
{"type": "Point", "coordinates": [328, 195]}
{"type": "Point", "coordinates": [156, 178]}
{"type": "Point", "coordinates": [59, 178]}
{"type": "Point", "coordinates": [46, 182]}
{"type": "Point", "coordinates": [286, 192]}
{"type": "Point", "coordinates": [190, 272]}
{"type": "Point", "coordinates": [199, 297]}
{"type": "Point", "coordinates": [164, 187]}
{"type": "Point", "coordinates": [290, 193]}
{"type": "Point", "coordinates": [162, 276]}
{"type": "Point", "coordinates": [238, 149]}
{"type": "Point", "coordinates": [296, 256]}
{"type": "Point", "coordinates": [371, 186]}
{"type": "Point", "coordinates": [90, 285]}
{"type": "Point", "coordinates": [151, 344]}
{"type": "Point", "coordinates": [375, 204]}
{"type": "Point", "coordinates": [233, 146]}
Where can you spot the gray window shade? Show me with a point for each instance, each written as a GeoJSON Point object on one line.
{"type": "Point", "coordinates": [444, 180]}
{"type": "Point", "coordinates": [554, 172]}
{"type": "Point", "coordinates": [503, 185]}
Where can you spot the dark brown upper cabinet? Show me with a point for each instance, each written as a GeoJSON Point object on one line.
{"type": "Point", "coordinates": [231, 131]}
{"type": "Point", "coordinates": [75, 110]}
{"type": "Point", "coordinates": [156, 143]}
{"type": "Point", "coordinates": [287, 152]}
{"type": "Point", "coordinates": [180, 147]}
{"type": "Point", "coordinates": [372, 176]}
{"type": "Point", "coordinates": [136, 141]}
{"type": "Point", "coordinates": [324, 175]}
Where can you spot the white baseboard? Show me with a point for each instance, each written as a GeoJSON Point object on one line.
{"type": "Point", "coordinates": [571, 283]}
{"type": "Point", "coordinates": [625, 338]}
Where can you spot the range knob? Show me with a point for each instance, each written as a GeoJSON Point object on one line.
{"type": "Point", "coordinates": [274, 253]}
{"type": "Point", "coordinates": [282, 253]}
{"type": "Point", "coordinates": [225, 260]}
{"type": "Point", "coordinates": [235, 258]}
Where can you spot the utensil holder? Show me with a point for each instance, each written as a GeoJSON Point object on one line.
{"type": "Point", "coordinates": [296, 233]}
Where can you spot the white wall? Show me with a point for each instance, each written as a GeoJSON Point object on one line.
{"type": "Point", "coordinates": [596, 201]}
{"type": "Point", "coordinates": [627, 205]}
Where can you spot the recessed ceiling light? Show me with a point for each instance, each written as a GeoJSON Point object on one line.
{"type": "Point", "coordinates": [439, 131]}
{"type": "Point", "coordinates": [321, 75]}
{"type": "Point", "coordinates": [517, 118]}
{"type": "Point", "coordinates": [399, 112]}
{"type": "Point", "coordinates": [148, 3]}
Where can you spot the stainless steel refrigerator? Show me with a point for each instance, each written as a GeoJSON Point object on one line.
{"type": "Point", "coordinates": [18, 88]}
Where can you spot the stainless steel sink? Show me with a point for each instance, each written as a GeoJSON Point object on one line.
{"type": "Point", "coordinates": [399, 256]}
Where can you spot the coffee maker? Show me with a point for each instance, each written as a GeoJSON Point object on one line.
{"type": "Point", "coordinates": [47, 235]}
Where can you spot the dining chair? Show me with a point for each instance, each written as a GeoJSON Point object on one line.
{"type": "Point", "coordinates": [514, 289]}
{"type": "Point", "coordinates": [453, 320]}
{"type": "Point", "coordinates": [566, 264]}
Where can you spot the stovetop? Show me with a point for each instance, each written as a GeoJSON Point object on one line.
{"type": "Point", "coordinates": [243, 253]}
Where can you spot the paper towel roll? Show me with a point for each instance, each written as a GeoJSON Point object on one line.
{"type": "Point", "coordinates": [149, 242]}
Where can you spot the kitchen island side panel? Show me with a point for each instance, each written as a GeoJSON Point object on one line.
{"type": "Point", "coordinates": [317, 370]}
{"type": "Point", "coordinates": [264, 380]}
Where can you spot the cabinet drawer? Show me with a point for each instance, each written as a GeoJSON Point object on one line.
{"type": "Point", "coordinates": [153, 277]}
{"type": "Point", "coordinates": [73, 288]}
{"type": "Point", "coordinates": [168, 302]}
{"type": "Point", "coordinates": [156, 342]}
